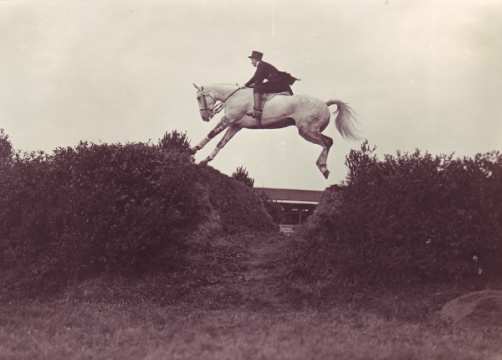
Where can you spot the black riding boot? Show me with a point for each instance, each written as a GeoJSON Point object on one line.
{"type": "Point", "coordinates": [258, 107]}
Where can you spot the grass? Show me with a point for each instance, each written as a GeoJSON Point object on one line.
{"type": "Point", "coordinates": [84, 330]}
{"type": "Point", "coordinates": [234, 301]}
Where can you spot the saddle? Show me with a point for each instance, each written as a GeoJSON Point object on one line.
{"type": "Point", "coordinates": [263, 98]}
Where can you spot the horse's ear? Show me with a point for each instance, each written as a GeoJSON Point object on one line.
{"type": "Point", "coordinates": [196, 86]}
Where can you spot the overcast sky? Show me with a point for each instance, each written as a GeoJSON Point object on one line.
{"type": "Point", "coordinates": [419, 73]}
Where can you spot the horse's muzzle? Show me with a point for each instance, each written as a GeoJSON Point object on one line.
{"type": "Point", "coordinates": [205, 115]}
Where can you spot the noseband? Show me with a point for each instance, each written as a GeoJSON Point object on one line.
{"type": "Point", "coordinates": [204, 102]}
{"type": "Point", "coordinates": [205, 107]}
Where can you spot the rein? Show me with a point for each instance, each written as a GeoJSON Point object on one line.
{"type": "Point", "coordinates": [218, 107]}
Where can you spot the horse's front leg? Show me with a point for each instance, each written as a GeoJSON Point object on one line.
{"type": "Point", "coordinates": [222, 125]}
{"type": "Point", "coordinates": [231, 131]}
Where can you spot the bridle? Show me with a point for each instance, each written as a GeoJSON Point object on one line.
{"type": "Point", "coordinates": [218, 106]}
{"type": "Point", "coordinates": [204, 102]}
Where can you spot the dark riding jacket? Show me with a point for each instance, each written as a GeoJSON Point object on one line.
{"type": "Point", "coordinates": [277, 81]}
{"type": "Point", "coordinates": [264, 70]}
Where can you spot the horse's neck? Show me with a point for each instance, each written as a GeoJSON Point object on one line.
{"type": "Point", "coordinates": [221, 92]}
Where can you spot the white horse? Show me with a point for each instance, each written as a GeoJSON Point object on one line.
{"type": "Point", "coordinates": [310, 115]}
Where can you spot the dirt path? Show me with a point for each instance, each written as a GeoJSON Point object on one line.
{"type": "Point", "coordinates": [264, 268]}
{"type": "Point", "coordinates": [244, 271]}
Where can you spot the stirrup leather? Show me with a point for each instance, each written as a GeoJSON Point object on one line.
{"type": "Point", "coordinates": [258, 106]}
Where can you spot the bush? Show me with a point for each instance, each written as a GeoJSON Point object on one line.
{"type": "Point", "coordinates": [410, 219]}
{"type": "Point", "coordinates": [6, 151]}
{"type": "Point", "coordinates": [241, 174]}
{"type": "Point", "coordinates": [175, 141]}
{"type": "Point", "coordinates": [114, 208]}
{"type": "Point", "coordinates": [96, 208]}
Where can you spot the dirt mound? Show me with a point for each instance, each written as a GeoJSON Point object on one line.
{"type": "Point", "coordinates": [477, 308]}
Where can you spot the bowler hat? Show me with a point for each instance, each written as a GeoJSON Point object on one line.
{"type": "Point", "coordinates": [256, 55]}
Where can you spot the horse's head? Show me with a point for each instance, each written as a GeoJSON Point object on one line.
{"type": "Point", "coordinates": [206, 102]}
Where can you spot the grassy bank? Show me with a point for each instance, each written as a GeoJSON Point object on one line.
{"type": "Point", "coordinates": [68, 330]}
{"type": "Point", "coordinates": [236, 301]}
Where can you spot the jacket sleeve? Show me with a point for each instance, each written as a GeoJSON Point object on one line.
{"type": "Point", "coordinates": [258, 76]}
{"type": "Point", "coordinates": [252, 80]}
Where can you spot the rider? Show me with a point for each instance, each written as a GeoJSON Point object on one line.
{"type": "Point", "coordinates": [277, 81]}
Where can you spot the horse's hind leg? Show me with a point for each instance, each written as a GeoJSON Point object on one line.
{"type": "Point", "coordinates": [326, 142]}
{"type": "Point", "coordinates": [321, 162]}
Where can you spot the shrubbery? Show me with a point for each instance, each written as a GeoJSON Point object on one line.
{"type": "Point", "coordinates": [242, 175]}
{"type": "Point", "coordinates": [409, 219]}
{"type": "Point", "coordinates": [6, 151]}
{"type": "Point", "coordinates": [175, 141]}
{"type": "Point", "coordinates": [93, 208]}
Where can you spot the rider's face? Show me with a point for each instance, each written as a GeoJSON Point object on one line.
{"type": "Point", "coordinates": [254, 61]}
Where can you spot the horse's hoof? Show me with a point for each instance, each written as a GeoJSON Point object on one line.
{"type": "Point", "coordinates": [326, 173]}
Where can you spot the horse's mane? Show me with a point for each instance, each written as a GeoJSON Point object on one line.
{"type": "Point", "coordinates": [224, 84]}
{"type": "Point", "coordinates": [229, 84]}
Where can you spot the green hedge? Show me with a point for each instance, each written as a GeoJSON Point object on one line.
{"type": "Point", "coordinates": [410, 218]}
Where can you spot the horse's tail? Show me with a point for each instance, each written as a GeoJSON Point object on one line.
{"type": "Point", "coordinates": [345, 120]}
